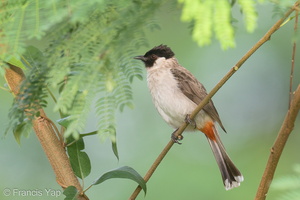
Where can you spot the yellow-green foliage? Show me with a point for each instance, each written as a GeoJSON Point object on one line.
{"type": "Point", "coordinates": [250, 15]}
{"type": "Point", "coordinates": [86, 56]}
{"type": "Point", "coordinates": [209, 16]}
{"type": "Point", "coordinates": [87, 50]}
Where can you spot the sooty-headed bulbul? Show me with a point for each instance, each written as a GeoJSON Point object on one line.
{"type": "Point", "coordinates": [175, 94]}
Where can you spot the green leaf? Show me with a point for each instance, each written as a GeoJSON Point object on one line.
{"type": "Point", "coordinates": [113, 139]}
{"type": "Point", "coordinates": [123, 172]}
{"type": "Point", "coordinates": [67, 122]}
{"type": "Point", "coordinates": [20, 129]}
{"type": "Point", "coordinates": [115, 149]}
{"type": "Point", "coordinates": [79, 160]}
{"type": "Point", "coordinates": [110, 132]}
{"type": "Point", "coordinates": [33, 57]}
{"type": "Point", "coordinates": [14, 61]}
{"type": "Point", "coordinates": [71, 193]}
{"type": "Point", "coordinates": [18, 132]}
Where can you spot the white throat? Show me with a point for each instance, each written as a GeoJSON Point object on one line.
{"type": "Point", "coordinates": [159, 62]}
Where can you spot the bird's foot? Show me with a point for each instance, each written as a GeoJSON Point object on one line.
{"type": "Point", "coordinates": [190, 121]}
{"type": "Point", "coordinates": [176, 138]}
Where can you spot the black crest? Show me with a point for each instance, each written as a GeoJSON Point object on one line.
{"type": "Point", "coordinates": [160, 51]}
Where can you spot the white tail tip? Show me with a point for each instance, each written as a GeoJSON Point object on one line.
{"type": "Point", "coordinates": [233, 184]}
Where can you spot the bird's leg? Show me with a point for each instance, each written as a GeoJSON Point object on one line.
{"type": "Point", "coordinates": [190, 121]}
{"type": "Point", "coordinates": [175, 138]}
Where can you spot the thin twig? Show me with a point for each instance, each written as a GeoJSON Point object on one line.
{"type": "Point", "coordinates": [293, 57]}
{"type": "Point", "coordinates": [264, 39]}
{"type": "Point", "coordinates": [278, 146]}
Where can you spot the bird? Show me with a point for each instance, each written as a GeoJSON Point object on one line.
{"type": "Point", "coordinates": [176, 93]}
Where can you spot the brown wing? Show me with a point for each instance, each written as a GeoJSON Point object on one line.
{"type": "Point", "coordinates": [195, 91]}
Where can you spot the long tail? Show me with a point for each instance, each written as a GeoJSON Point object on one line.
{"type": "Point", "coordinates": [231, 176]}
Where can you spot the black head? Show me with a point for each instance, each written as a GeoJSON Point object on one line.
{"type": "Point", "coordinates": [157, 52]}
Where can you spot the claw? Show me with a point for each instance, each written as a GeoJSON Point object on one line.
{"type": "Point", "coordinates": [175, 138]}
{"type": "Point", "coordinates": [190, 121]}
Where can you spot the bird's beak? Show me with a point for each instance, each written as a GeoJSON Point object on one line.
{"type": "Point", "coordinates": [142, 58]}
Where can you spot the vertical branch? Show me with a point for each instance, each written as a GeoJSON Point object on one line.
{"type": "Point", "coordinates": [278, 146]}
{"type": "Point", "coordinates": [46, 134]}
{"type": "Point", "coordinates": [293, 56]}
{"type": "Point", "coordinates": [286, 128]}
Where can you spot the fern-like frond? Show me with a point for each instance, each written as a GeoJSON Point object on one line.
{"type": "Point", "coordinates": [291, 182]}
{"type": "Point", "coordinates": [207, 16]}
{"type": "Point", "coordinates": [26, 19]}
{"type": "Point", "coordinates": [129, 66]}
{"type": "Point", "coordinates": [291, 195]}
{"type": "Point", "coordinates": [289, 185]}
{"type": "Point", "coordinates": [88, 53]}
{"type": "Point", "coordinates": [222, 19]}
{"type": "Point", "coordinates": [215, 16]}
{"type": "Point", "coordinates": [250, 15]}
{"type": "Point", "coordinates": [105, 109]}
{"type": "Point", "coordinates": [33, 91]}
{"type": "Point", "coordinates": [123, 93]}
{"type": "Point", "coordinates": [97, 56]}
{"type": "Point", "coordinates": [78, 113]}
{"type": "Point", "coordinates": [281, 6]}
{"type": "Point", "coordinates": [202, 32]}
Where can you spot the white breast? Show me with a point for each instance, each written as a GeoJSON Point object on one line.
{"type": "Point", "coordinates": [168, 99]}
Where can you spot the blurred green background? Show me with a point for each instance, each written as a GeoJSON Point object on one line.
{"type": "Point", "coordinates": [252, 106]}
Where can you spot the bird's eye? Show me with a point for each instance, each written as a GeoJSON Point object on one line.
{"type": "Point", "coordinates": [153, 56]}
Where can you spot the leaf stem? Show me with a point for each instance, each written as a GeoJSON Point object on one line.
{"type": "Point", "coordinates": [88, 134]}
{"type": "Point", "coordinates": [55, 101]}
{"type": "Point", "coordinates": [87, 188]}
{"type": "Point", "coordinates": [81, 136]}
{"type": "Point", "coordinates": [26, 62]}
